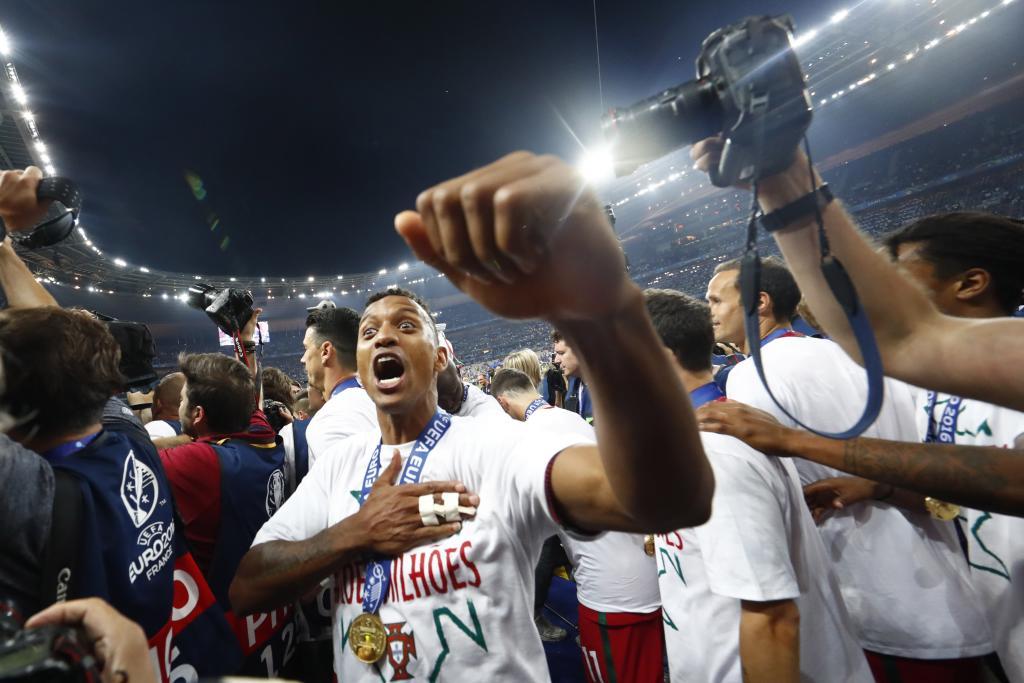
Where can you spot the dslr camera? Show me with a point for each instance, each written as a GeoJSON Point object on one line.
{"type": "Point", "coordinates": [50, 654]}
{"type": "Point", "coordinates": [749, 89]}
{"type": "Point", "coordinates": [229, 309]}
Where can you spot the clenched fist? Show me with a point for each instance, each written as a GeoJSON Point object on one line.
{"type": "Point", "coordinates": [524, 237]}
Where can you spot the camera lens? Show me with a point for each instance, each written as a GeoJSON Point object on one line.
{"type": "Point", "coordinates": [675, 117]}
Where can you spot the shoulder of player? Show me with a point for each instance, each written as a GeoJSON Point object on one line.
{"type": "Point", "coordinates": [728, 454]}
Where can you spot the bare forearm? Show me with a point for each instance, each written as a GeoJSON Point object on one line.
{"type": "Point", "coordinates": [986, 478]}
{"type": "Point", "coordinates": [19, 284]}
{"type": "Point", "coordinates": [278, 572]}
{"type": "Point", "coordinates": [770, 644]}
{"type": "Point", "coordinates": [647, 436]}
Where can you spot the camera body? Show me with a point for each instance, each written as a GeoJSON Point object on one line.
{"type": "Point", "coordinates": [51, 654]}
{"type": "Point", "coordinates": [749, 88]}
{"type": "Point", "coordinates": [229, 309]}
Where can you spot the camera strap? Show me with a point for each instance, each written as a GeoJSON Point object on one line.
{"type": "Point", "coordinates": [60, 562]}
{"type": "Point", "coordinates": [842, 289]}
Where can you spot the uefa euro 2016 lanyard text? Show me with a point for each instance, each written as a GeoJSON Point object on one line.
{"type": "Point", "coordinates": [367, 636]}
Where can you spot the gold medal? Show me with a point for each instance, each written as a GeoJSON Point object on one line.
{"type": "Point", "coordinates": [368, 638]}
{"type": "Point", "coordinates": [649, 545]}
{"type": "Point", "coordinates": [941, 510]}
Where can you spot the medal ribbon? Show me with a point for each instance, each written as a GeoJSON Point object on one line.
{"type": "Point", "coordinates": [378, 572]}
{"type": "Point", "coordinates": [533, 407]}
{"type": "Point", "coordinates": [66, 450]}
{"type": "Point", "coordinates": [946, 427]}
{"type": "Point", "coordinates": [350, 383]}
{"type": "Point", "coordinates": [705, 394]}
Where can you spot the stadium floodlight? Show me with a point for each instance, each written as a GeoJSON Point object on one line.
{"type": "Point", "coordinates": [120, 262]}
{"type": "Point", "coordinates": [199, 277]}
{"type": "Point", "coordinates": [596, 165]}
{"type": "Point", "coordinates": [40, 146]}
{"type": "Point", "coordinates": [233, 279]}
{"type": "Point", "coordinates": [164, 295]}
{"type": "Point", "coordinates": [840, 15]}
{"type": "Point", "coordinates": [263, 279]}
{"type": "Point", "coordinates": [50, 169]}
{"type": "Point", "coordinates": [404, 267]}
{"type": "Point", "coordinates": [302, 296]}
{"type": "Point", "coordinates": [890, 66]}
{"type": "Point", "coordinates": [143, 269]}
{"type": "Point", "coordinates": [5, 44]}
{"type": "Point", "coordinates": [20, 96]}
{"type": "Point", "coordinates": [340, 276]}
{"type": "Point", "coordinates": [382, 271]}
{"type": "Point", "coordinates": [310, 279]}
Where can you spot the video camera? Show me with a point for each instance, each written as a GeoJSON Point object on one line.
{"type": "Point", "coordinates": [137, 351]}
{"type": "Point", "coordinates": [53, 654]}
{"type": "Point", "coordinates": [230, 309]}
{"type": "Point", "coordinates": [749, 88]}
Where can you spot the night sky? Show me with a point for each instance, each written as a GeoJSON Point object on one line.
{"type": "Point", "coordinates": [304, 126]}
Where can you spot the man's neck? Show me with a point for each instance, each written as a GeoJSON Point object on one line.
{"type": "Point", "coordinates": [520, 403]}
{"type": "Point", "coordinates": [694, 380]}
{"type": "Point", "coordinates": [978, 310]}
{"type": "Point", "coordinates": [765, 326]}
{"type": "Point", "coordinates": [402, 428]}
{"type": "Point", "coordinates": [333, 377]}
{"type": "Point", "coordinates": [166, 415]}
{"type": "Point", "coordinates": [41, 444]}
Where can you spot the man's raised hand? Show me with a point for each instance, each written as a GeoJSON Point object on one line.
{"type": "Point", "coordinates": [524, 237]}
{"type": "Point", "coordinates": [20, 207]}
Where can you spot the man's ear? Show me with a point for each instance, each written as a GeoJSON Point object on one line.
{"type": "Point", "coordinates": [326, 351]}
{"type": "Point", "coordinates": [441, 358]}
{"type": "Point", "coordinates": [503, 402]}
{"type": "Point", "coordinates": [764, 305]}
{"type": "Point", "coordinates": [973, 283]}
{"type": "Point", "coordinates": [198, 415]}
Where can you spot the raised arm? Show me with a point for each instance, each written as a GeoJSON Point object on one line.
{"type": "Point", "coordinates": [919, 345]}
{"type": "Point", "coordinates": [20, 210]}
{"type": "Point", "coordinates": [526, 239]}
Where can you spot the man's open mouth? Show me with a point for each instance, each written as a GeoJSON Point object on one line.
{"type": "Point", "coordinates": [388, 371]}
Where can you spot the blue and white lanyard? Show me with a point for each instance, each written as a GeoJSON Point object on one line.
{"type": "Point", "coordinates": [533, 407]}
{"type": "Point", "coordinates": [943, 431]}
{"type": "Point", "coordinates": [706, 393]}
{"type": "Point", "coordinates": [378, 572]}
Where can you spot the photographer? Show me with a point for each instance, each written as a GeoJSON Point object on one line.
{"type": "Point", "coordinates": [230, 480]}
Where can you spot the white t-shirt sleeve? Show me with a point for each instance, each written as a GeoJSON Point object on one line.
{"type": "Point", "coordinates": [744, 545]}
{"type": "Point", "coordinates": [305, 513]}
{"type": "Point", "coordinates": [159, 429]}
{"type": "Point", "coordinates": [350, 412]}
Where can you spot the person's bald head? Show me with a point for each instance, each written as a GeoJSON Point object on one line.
{"type": "Point", "coordinates": [167, 396]}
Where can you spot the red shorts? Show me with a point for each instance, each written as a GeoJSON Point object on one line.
{"type": "Point", "coordinates": [622, 647]}
{"type": "Point", "coordinates": [893, 669]}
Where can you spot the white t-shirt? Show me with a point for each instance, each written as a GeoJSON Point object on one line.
{"type": "Point", "coordinates": [160, 429]}
{"type": "Point", "coordinates": [478, 404]}
{"type": "Point", "coordinates": [995, 542]}
{"type": "Point", "coordinates": [613, 573]}
{"type": "Point", "coordinates": [462, 606]}
{"type": "Point", "coordinates": [760, 544]}
{"type": "Point", "coordinates": [902, 573]}
{"type": "Point", "coordinates": [350, 412]}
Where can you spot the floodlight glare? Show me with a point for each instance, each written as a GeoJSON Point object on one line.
{"type": "Point", "coordinates": [597, 165]}
{"type": "Point", "coordinates": [840, 15]}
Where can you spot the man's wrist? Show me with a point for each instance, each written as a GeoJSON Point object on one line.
{"type": "Point", "coordinates": [349, 540]}
{"type": "Point", "coordinates": [630, 310]}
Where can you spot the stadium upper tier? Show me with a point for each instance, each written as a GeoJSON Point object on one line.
{"type": "Point", "coordinates": [872, 70]}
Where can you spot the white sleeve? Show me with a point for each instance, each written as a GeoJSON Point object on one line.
{"type": "Point", "coordinates": [353, 414]}
{"type": "Point", "coordinates": [521, 477]}
{"type": "Point", "coordinates": [744, 546]}
{"type": "Point", "coordinates": [305, 513]}
{"type": "Point", "coordinates": [158, 429]}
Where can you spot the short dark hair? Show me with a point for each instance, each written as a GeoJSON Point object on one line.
{"type": "Point", "coordinates": [684, 325]}
{"type": "Point", "coordinates": [277, 385]}
{"type": "Point", "coordinates": [223, 387]}
{"type": "Point", "coordinates": [556, 336]}
{"type": "Point", "coordinates": [956, 242]}
{"type": "Point", "coordinates": [401, 291]}
{"type": "Point", "coordinates": [776, 281]}
{"type": "Point", "coordinates": [168, 390]}
{"type": "Point", "coordinates": [340, 326]}
{"type": "Point", "coordinates": [61, 367]}
{"type": "Point", "coordinates": [509, 380]}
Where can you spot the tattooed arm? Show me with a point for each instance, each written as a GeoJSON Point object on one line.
{"type": "Point", "coordinates": [983, 477]}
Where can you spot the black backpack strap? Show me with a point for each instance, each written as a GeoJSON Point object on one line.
{"type": "Point", "coordinates": [61, 560]}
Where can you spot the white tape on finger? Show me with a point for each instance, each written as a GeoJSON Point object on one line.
{"type": "Point", "coordinates": [427, 514]}
{"type": "Point", "coordinates": [450, 506]}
